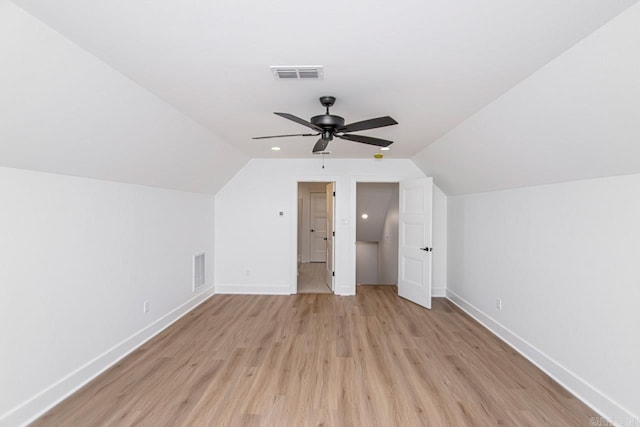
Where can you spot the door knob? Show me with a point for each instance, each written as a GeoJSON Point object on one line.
{"type": "Point", "coordinates": [313, 231]}
{"type": "Point", "coordinates": [427, 249]}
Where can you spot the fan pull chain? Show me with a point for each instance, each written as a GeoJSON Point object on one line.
{"type": "Point", "coordinates": [322, 154]}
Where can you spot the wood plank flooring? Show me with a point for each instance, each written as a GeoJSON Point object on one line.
{"type": "Point", "coordinates": [312, 360]}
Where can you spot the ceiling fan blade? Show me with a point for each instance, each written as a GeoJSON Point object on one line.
{"type": "Point", "coordinates": [368, 124]}
{"type": "Point", "coordinates": [320, 145]}
{"type": "Point", "coordinates": [367, 140]}
{"type": "Point", "coordinates": [300, 121]}
{"type": "Point", "coordinates": [284, 136]}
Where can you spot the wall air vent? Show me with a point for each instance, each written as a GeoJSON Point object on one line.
{"type": "Point", "coordinates": [198, 271]}
{"type": "Point", "coordinates": [297, 72]}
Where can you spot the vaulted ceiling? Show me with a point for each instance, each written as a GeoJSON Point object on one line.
{"type": "Point", "coordinates": [431, 65]}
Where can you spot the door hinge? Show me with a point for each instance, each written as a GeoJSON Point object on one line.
{"type": "Point", "coordinates": [333, 274]}
{"type": "Point", "coordinates": [334, 194]}
{"type": "Point", "coordinates": [333, 234]}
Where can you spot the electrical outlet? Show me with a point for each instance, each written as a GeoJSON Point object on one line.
{"type": "Point", "coordinates": [499, 303]}
{"type": "Point", "coordinates": [145, 307]}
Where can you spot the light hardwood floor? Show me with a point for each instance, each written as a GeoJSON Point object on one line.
{"type": "Point", "coordinates": [302, 360]}
{"type": "Point", "coordinates": [311, 278]}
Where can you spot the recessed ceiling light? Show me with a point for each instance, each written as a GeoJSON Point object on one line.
{"type": "Point", "coordinates": [275, 148]}
{"type": "Point", "coordinates": [365, 216]}
{"type": "Point", "coordinates": [385, 149]}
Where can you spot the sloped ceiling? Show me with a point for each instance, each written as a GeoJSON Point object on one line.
{"type": "Point", "coordinates": [375, 199]}
{"type": "Point", "coordinates": [578, 117]}
{"type": "Point", "coordinates": [64, 111]}
{"type": "Point", "coordinates": [429, 64]}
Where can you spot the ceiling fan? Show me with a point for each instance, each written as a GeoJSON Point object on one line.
{"type": "Point", "coordinates": [329, 126]}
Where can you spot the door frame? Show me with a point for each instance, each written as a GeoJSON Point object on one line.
{"type": "Point", "coordinates": [353, 215]}
{"type": "Point", "coordinates": [330, 267]}
{"type": "Point", "coordinates": [293, 272]}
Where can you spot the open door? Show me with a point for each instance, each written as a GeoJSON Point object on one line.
{"type": "Point", "coordinates": [328, 276]}
{"type": "Point", "coordinates": [415, 251]}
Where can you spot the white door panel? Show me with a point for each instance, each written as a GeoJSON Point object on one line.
{"type": "Point", "coordinates": [414, 255]}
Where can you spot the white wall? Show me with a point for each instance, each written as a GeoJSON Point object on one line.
{"type": "Point", "coordinates": [367, 263]}
{"type": "Point", "coordinates": [77, 259]}
{"type": "Point", "coordinates": [564, 260]}
{"type": "Point", "coordinates": [256, 248]}
{"type": "Point", "coordinates": [62, 110]}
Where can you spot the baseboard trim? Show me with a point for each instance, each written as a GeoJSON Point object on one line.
{"type": "Point", "coordinates": [591, 396]}
{"type": "Point", "coordinates": [36, 406]}
{"type": "Point", "coordinates": [438, 292]}
{"type": "Point", "coordinates": [253, 289]}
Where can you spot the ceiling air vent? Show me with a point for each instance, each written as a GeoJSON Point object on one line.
{"type": "Point", "coordinates": [297, 72]}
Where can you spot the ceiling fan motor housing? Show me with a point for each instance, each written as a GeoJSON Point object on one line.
{"type": "Point", "coordinates": [329, 123]}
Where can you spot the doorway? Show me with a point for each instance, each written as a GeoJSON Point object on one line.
{"type": "Point", "coordinates": [315, 273]}
{"type": "Point", "coordinates": [377, 210]}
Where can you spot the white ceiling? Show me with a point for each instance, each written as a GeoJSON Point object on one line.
{"type": "Point", "coordinates": [429, 64]}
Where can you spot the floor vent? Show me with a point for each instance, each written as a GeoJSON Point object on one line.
{"type": "Point", "coordinates": [198, 271]}
{"type": "Point", "coordinates": [297, 72]}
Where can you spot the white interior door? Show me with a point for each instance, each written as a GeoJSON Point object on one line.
{"type": "Point", "coordinates": [415, 251]}
{"type": "Point", "coordinates": [318, 227]}
{"type": "Point", "coordinates": [328, 275]}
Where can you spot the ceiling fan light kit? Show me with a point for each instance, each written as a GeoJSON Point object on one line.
{"type": "Point", "coordinates": [329, 126]}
